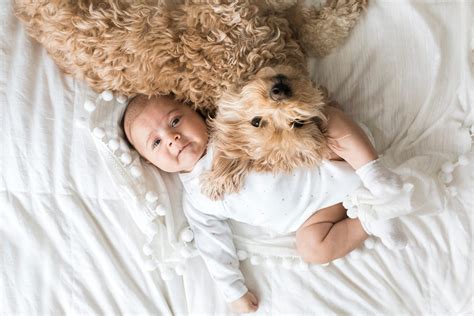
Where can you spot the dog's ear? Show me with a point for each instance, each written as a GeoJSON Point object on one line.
{"type": "Point", "coordinates": [226, 176]}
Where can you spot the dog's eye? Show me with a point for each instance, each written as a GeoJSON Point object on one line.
{"type": "Point", "coordinates": [256, 121]}
{"type": "Point", "coordinates": [297, 124]}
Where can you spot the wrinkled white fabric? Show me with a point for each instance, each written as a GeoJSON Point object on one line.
{"type": "Point", "coordinates": [69, 244]}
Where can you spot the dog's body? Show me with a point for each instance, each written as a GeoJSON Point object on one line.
{"type": "Point", "coordinates": [194, 50]}
{"type": "Point", "coordinates": [208, 53]}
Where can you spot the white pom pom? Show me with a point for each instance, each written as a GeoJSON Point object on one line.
{"type": "Point", "coordinates": [151, 196]}
{"type": "Point", "coordinates": [147, 250]}
{"type": "Point", "coordinates": [186, 235]}
{"type": "Point", "coordinates": [167, 274]}
{"type": "Point", "coordinates": [126, 158]}
{"type": "Point", "coordinates": [89, 106]}
{"type": "Point", "coordinates": [369, 243]}
{"type": "Point", "coordinates": [347, 203]}
{"type": "Point", "coordinates": [136, 171]}
{"type": "Point", "coordinates": [121, 99]}
{"type": "Point", "coordinates": [352, 212]}
{"type": "Point", "coordinates": [407, 187]}
{"type": "Point", "coordinates": [185, 252]}
{"type": "Point", "coordinates": [179, 269]}
{"type": "Point", "coordinates": [256, 260]}
{"type": "Point", "coordinates": [463, 160]}
{"type": "Point", "coordinates": [107, 95]}
{"type": "Point", "coordinates": [160, 210]}
{"type": "Point", "coordinates": [446, 177]}
{"type": "Point", "coordinates": [99, 132]}
{"type": "Point", "coordinates": [151, 264]}
{"type": "Point", "coordinates": [287, 263]}
{"type": "Point", "coordinates": [242, 255]}
{"type": "Point", "coordinates": [271, 261]}
{"type": "Point", "coordinates": [113, 144]}
{"type": "Point", "coordinates": [447, 167]}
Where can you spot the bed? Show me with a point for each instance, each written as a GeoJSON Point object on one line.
{"type": "Point", "coordinates": [81, 233]}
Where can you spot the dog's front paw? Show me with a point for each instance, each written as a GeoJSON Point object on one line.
{"type": "Point", "coordinates": [214, 186]}
{"type": "Point", "coordinates": [210, 188]}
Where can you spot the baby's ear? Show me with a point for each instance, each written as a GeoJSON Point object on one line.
{"type": "Point", "coordinates": [226, 176]}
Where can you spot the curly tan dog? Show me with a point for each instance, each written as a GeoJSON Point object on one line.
{"type": "Point", "coordinates": [194, 50]}
{"type": "Point", "coordinates": [277, 122]}
{"type": "Point", "coordinates": [243, 58]}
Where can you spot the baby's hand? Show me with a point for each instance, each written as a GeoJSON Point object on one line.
{"type": "Point", "coordinates": [246, 304]}
{"type": "Point", "coordinates": [379, 180]}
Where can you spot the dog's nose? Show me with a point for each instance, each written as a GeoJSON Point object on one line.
{"type": "Point", "coordinates": [280, 91]}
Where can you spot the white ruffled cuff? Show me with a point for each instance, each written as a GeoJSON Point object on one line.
{"type": "Point", "coordinates": [235, 291]}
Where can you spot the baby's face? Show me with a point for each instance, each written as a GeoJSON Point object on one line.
{"type": "Point", "coordinates": [169, 134]}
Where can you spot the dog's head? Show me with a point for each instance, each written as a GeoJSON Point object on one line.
{"type": "Point", "coordinates": [275, 122]}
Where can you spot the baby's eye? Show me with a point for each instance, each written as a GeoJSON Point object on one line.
{"type": "Point", "coordinates": [175, 121]}
{"type": "Point", "coordinates": [156, 143]}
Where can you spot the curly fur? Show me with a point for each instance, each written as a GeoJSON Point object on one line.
{"type": "Point", "coordinates": [214, 54]}
{"type": "Point", "coordinates": [276, 144]}
{"type": "Point", "coordinates": [194, 50]}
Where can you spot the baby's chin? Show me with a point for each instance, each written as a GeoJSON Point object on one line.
{"type": "Point", "coordinates": [189, 161]}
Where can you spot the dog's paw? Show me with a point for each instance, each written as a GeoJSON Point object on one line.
{"type": "Point", "coordinates": [213, 192]}
{"type": "Point", "coordinates": [214, 186]}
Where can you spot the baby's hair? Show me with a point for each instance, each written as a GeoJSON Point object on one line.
{"type": "Point", "coordinates": [139, 99]}
{"type": "Point", "coordinates": [122, 124]}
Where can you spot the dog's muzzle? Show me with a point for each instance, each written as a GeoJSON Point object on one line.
{"type": "Point", "coordinates": [280, 90]}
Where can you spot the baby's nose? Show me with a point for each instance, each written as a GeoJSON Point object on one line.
{"type": "Point", "coordinates": [174, 139]}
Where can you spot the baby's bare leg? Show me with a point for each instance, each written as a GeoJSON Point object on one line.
{"type": "Point", "coordinates": [328, 235]}
{"type": "Point", "coordinates": [348, 140]}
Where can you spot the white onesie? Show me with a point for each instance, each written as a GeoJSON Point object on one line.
{"type": "Point", "coordinates": [281, 202]}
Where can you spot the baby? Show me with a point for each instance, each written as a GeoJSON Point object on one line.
{"type": "Point", "coordinates": [174, 138]}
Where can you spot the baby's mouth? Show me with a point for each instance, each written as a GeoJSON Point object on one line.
{"type": "Point", "coordinates": [183, 148]}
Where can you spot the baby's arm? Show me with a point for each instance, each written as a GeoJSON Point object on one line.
{"type": "Point", "coordinates": [348, 141]}
{"type": "Point", "coordinates": [213, 238]}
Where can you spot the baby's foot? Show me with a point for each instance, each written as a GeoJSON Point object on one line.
{"type": "Point", "coordinates": [379, 180]}
{"type": "Point", "coordinates": [389, 231]}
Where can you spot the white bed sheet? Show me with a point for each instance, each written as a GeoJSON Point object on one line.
{"type": "Point", "coordinates": [406, 72]}
{"type": "Point", "coordinates": [68, 244]}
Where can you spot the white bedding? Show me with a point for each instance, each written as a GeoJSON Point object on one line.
{"type": "Point", "coordinates": [69, 243]}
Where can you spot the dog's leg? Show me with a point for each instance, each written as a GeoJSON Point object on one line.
{"type": "Point", "coordinates": [225, 176]}
{"type": "Point", "coordinates": [321, 30]}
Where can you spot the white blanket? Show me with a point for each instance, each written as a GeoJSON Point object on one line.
{"type": "Point", "coordinates": [69, 243]}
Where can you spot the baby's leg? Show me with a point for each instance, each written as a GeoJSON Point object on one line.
{"type": "Point", "coordinates": [350, 142]}
{"type": "Point", "coordinates": [328, 235]}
